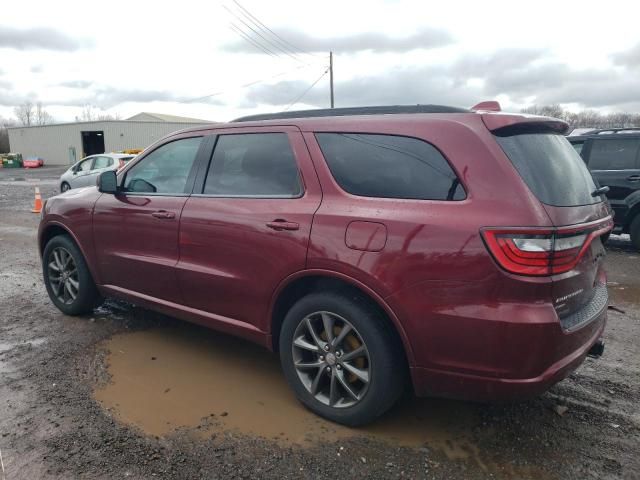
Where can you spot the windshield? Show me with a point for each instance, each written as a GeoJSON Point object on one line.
{"type": "Point", "coordinates": [551, 168]}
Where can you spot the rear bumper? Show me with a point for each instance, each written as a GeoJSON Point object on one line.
{"type": "Point", "coordinates": [450, 384]}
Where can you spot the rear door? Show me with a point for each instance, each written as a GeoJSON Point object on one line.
{"type": "Point", "coordinates": [614, 162]}
{"type": "Point", "coordinates": [247, 227]}
{"type": "Point", "coordinates": [136, 230]}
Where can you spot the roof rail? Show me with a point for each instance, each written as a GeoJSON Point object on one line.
{"type": "Point", "coordinates": [341, 112]}
{"type": "Point", "coordinates": [598, 131]}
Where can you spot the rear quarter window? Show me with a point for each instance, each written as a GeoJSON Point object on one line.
{"type": "Point", "coordinates": [389, 166]}
{"type": "Point", "coordinates": [551, 168]}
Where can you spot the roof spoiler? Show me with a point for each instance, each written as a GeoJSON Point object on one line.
{"type": "Point", "coordinates": [487, 106]}
{"type": "Point", "coordinates": [505, 124]}
{"type": "Point", "coordinates": [514, 123]}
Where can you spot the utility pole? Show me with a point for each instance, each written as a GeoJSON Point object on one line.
{"type": "Point", "coordinates": [331, 76]}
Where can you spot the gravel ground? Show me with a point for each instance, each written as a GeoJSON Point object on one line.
{"type": "Point", "coordinates": [52, 426]}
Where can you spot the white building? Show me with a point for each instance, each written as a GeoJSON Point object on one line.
{"type": "Point", "coordinates": [66, 143]}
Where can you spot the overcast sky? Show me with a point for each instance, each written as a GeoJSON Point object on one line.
{"type": "Point", "coordinates": [125, 56]}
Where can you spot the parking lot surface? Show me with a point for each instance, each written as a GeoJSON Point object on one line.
{"type": "Point", "coordinates": [128, 393]}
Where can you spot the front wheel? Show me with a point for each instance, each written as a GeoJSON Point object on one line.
{"type": "Point", "coordinates": [67, 277]}
{"type": "Point", "coordinates": [64, 187]}
{"type": "Point", "coordinates": [341, 358]}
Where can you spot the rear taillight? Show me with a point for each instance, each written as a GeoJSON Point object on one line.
{"type": "Point", "coordinates": [542, 251]}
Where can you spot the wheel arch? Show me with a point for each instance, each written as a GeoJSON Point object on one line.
{"type": "Point", "coordinates": [53, 229]}
{"type": "Point", "coordinates": [633, 202]}
{"type": "Point", "coordinates": [298, 285]}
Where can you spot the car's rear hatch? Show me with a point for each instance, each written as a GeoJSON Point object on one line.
{"type": "Point", "coordinates": [558, 177]}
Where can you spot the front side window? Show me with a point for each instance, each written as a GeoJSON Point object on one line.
{"type": "Point", "coordinates": [102, 162]}
{"type": "Point", "coordinates": [85, 165]}
{"type": "Point", "coordinates": [614, 153]}
{"type": "Point", "coordinates": [165, 170]}
{"type": "Point", "coordinates": [253, 165]}
{"type": "Point", "coordinates": [389, 166]}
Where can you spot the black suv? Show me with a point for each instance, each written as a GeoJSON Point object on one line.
{"type": "Point", "coordinates": [613, 156]}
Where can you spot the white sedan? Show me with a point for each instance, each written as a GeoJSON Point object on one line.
{"type": "Point", "coordinates": [85, 172]}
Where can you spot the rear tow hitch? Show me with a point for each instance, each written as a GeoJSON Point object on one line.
{"type": "Point", "coordinates": [597, 349]}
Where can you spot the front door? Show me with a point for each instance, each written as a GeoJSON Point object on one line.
{"type": "Point", "coordinates": [100, 164]}
{"type": "Point", "coordinates": [80, 172]}
{"type": "Point", "coordinates": [136, 230]}
{"type": "Point", "coordinates": [248, 227]}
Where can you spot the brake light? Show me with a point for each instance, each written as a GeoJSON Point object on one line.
{"type": "Point", "coordinates": [542, 251]}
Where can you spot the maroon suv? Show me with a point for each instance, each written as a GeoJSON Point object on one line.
{"type": "Point", "coordinates": [458, 248]}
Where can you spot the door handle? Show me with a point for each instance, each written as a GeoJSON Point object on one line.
{"type": "Point", "coordinates": [634, 178]}
{"type": "Point", "coordinates": [283, 225]}
{"type": "Point", "coordinates": [163, 214]}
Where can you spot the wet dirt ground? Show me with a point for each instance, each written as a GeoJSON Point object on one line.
{"type": "Point", "coordinates": [127, 393]}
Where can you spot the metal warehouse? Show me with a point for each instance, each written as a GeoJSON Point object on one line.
{"type": "Point", "coordinates": [66, 143]}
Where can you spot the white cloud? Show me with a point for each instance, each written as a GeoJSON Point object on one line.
{"type": "Point", "coordinates": [386, 52]}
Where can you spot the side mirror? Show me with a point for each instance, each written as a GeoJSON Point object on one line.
{"type": "Point", "coordinates": [107, 182]}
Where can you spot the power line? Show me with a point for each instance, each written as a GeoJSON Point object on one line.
{"type": "Point", "coordinates": [255, 82]}
{"type": "Point", "coordinates": [264, 29]}
{"type": "Point", "coordinates": [250, 40]}
{"type": "Point", "coordinates": [270, 43]}
{"type": "Point", "coordinates": [285, 42]}
{"type": "Point", "coordinates": [306, 91]}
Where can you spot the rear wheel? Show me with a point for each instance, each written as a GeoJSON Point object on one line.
{"type": "Point", "coordinates": [64, 187]}
{"type": "Point", "coordinates": [67, 277]}
{"type": "Point", "coordinates": [634, 231]}
{"type": "Point", "coordinates": [341, 358]}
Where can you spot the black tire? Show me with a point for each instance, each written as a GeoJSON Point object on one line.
{"type": "Point", "coordinates": [87, 296]}
{"type": "Point", "coordinates": [385, 363]}
{"type": "Point", "coordinates": [634, 231]}
{"type": "Point", "coordinates": [64, 187]}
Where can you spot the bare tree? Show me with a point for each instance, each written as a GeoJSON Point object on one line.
{"type": "Point", "coordinates": [587, 118]}
{"type": "Point", "coordinates": [89, 113]}
{"type": "Point", "coordinates": [42, 117]}
{"type": "Point", "coordinates": [25, 113]}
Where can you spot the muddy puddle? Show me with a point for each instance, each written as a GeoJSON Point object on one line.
{"type": "Point", "coordinates": [166, 379]}
{"type": "Point", "coordinates": [623, 294]}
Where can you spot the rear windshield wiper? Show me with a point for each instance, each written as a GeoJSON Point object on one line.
{"type": "Point", "coordinates": [599, 191]}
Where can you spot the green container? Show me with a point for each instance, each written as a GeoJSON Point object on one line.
{"type": "Point", "coordinates": [12, 161]}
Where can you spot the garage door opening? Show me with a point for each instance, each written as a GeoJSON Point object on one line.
{"type": "Point", "coordinates": [92, 143]}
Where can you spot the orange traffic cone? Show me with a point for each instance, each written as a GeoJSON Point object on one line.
{"type": "Point", "coordinates": [37, 205]}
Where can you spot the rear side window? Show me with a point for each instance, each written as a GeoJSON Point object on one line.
{"type": "Point", "coordinates": [614, 153]}
{"type": "Point", "coordinates": [389, 166]}
{"type": "Point", "coordinates": [102, 162]}
{"type": "Point", "coordinates": [551, 168]}
{"type": "Point", "coordinates": [253, 165]}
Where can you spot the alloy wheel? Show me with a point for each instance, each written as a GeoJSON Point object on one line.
{"type": "Point", "coordinates": [63, 275]}
{"type": "Point", "coordinates": [331, 359]}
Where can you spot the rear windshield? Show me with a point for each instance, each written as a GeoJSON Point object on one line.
{"type": "Point", "coordinates": [551, 168]}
